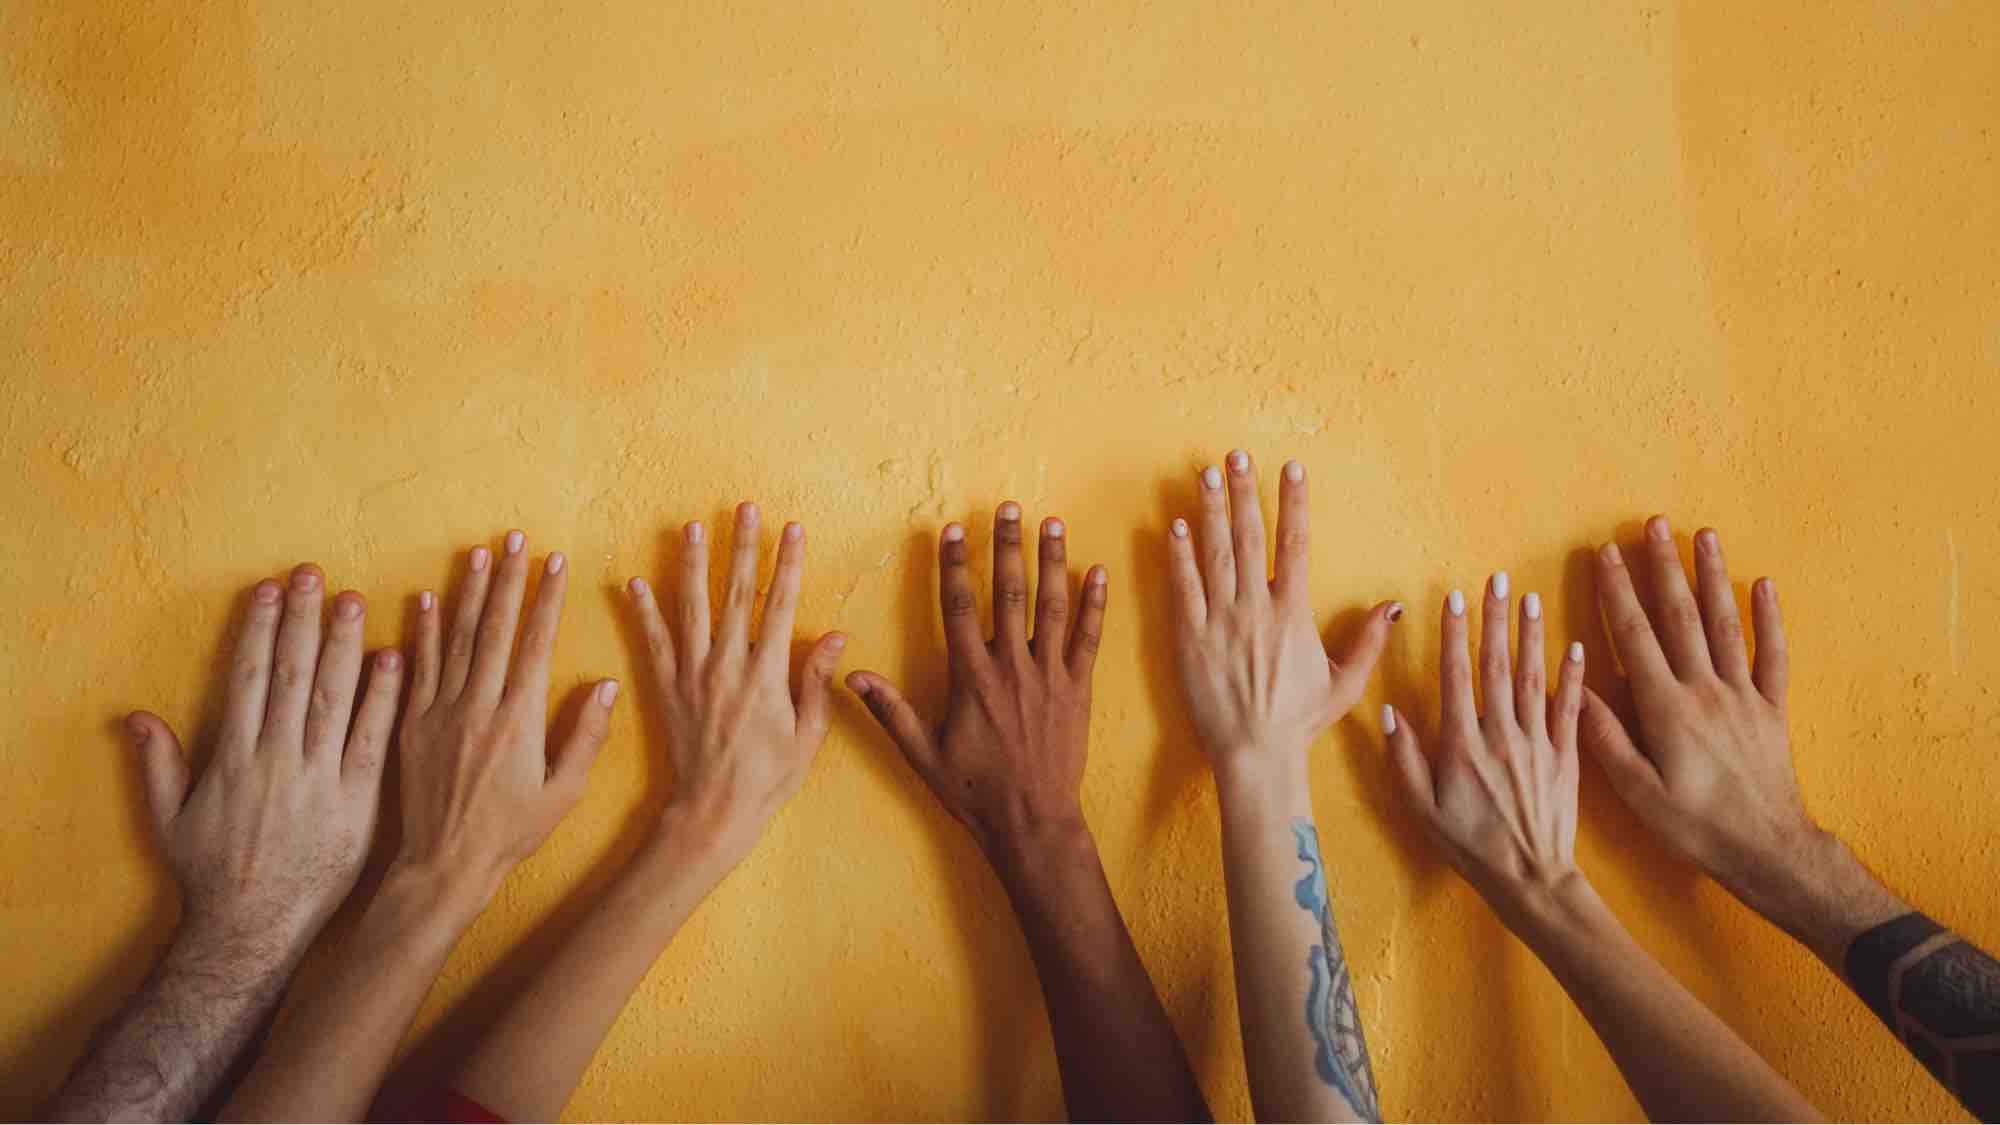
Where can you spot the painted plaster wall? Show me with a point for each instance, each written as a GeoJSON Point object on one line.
{"type": "Point", "coordinates": [365, 282]}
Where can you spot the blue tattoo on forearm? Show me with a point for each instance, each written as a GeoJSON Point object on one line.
{"type": "Point", "coordinates": [1341, 1054]}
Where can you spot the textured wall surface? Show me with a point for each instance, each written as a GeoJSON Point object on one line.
{"type": "Point", "coordinates": [366, 283]}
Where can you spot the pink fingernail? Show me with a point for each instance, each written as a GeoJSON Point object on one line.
{"type": "Point", "coordinates": [346, 609]}
{"type": "Point", "coordinates": [1531, 607]}
{"type": "Point", "coordinates": [1099, 576]}
{"type": "Point", "coordinates": [1294, 471]}
{"type": "Point", "coordinates": [515, 541]}
{"type": "Point", "coordinates": [1657, 528]}
{"type": "Point", "coordinates": [136, 730]}
{"type": "Point", "coordinates": [746, 514]}
{"type": "Point", "coordinates": [426, 600]}
{"type": "Point", "coordinates": [1010, 511]}
{"type": "Point", "coordinates": [794, 533]}
{"type": "Point", "coordinates": [836, 641]}
{"type": "Point", "coordinates": [1180, 529]}
{"type": "Point", "coordinates": [696, 533]}
{"type": "Point", "coordinates": [1708, 540]}
{"type": "Point", "coordinates": [1610, 554]}
{"type": "Point", "coordinates": [607, 692]}
{"type": "Point", "coordinates": [1239, 460]}
{"type": "Point", "coordinates": [389, 660]}
{"type": "Point", "coordinates": [305, 581]}
{"type": "Point", "coordinates": [639, 588]}
{"type": "Point", "coordinates": [953, 533]}
{"type": "Point", "coordinates": [479, 557]}
{"type": "Point", "coordinates": [1055, 529]}
{"type": "Point", "coordinates": [266, 592]}
{"type": "Point", "coordinates": [1212, 477]}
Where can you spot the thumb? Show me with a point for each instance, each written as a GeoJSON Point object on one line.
{"type": "Point", "coordinates": [897, 717]}
{"type": "Point", "coordinates": [1603, 736]}
{"type": "Point", "coordinates": [579, 750]}
{"type": "Point", "coordinates": [163, 767]}
{"type": "Point", "coordinates": [1352, 667]}
{"type": "Point", "coordinates": [816, 687]}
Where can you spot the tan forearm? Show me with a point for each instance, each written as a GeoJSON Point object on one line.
{"type": "Point", "coordinates": [1681, 1061]}
{"type": "Point", "coordinates": [1294, 994]}
{"type": "Point", "coordinates": [526, 1066]}
{"type": "Point", "coordinates": [336, 1036]}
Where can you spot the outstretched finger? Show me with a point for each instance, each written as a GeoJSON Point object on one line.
{"type": "Point", "coordinates": [1413, 770]}
{"type": "Point", "coordinates": [781, 604]}
{"type": "Point", "coordinates": [250, 670]}
{"type": "Point", "coordinates": [1246, 521]}
{"type": "Point", "coordinates": [1632, 639]}
{"type": "Point", "coordinates": [1010, 584]}
{"type": "Point", "coordinates": [899, 720]}
{"type": "Point", "coordinates": [1088, 632]}
{"type": "Point", "coordinates": [1530, 680]}
{"type": "Point", "coordinates": [1677, 621]}
{"type": "Point", "coordinates": [1218, 549]}
{"type": "Point", "coordinates": [732, 636]}
{"type": "Point", "coordinates": [1051, 595]}
{"type": "Point", "coordinates": [1773, 674]}
{"type": "Point", "coordinates": [1294, 567]}
{"type": "Point", "coordinates": [1568, 702]}
{"type": "Point", "coordinates": [494, 651]}
{"type": "Point", "coordinates": [1356, 662]}
{"type": "Point", "coordinates": [1190, 600]}
{"type": "Point", "coordinates": [368, 741]}
{"type": "Point", "coordinates": [1718, 609]}
{"type": "Point", "coordinates": [163, 768]}
{"type": "Point", "coordinates": [957, 602]}
{"type": "Point", "coordinates": [530, 677]}
{"type": "Point", "coordinates": [815, 705]}
{"type": "Point", "coordinates": [465, 624]}
{"type": "Point", "coordinates": [1458, 710]}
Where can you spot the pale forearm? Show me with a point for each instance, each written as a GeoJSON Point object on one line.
{"type": "Point", "coordinates": [1303, 1044]}
{"type": "Point", "coordinates": [168, 1049]}
{"type": "Point", "coordinates": [1117, 1050]}
{"type": "Point", "coordinates": [526, 1066]}
{"type": "Point", "coordinates": [1681, 1061]}
{"type": "Point", "coordinates": [334, 1040]}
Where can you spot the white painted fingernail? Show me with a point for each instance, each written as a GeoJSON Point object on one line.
{"type": "Point", "coordinates": [1180, 529]}
{"type": "Point", "coordinates": [1055, 529]}
{"type": "Point", "coordinates": [1576, 652]}
{"type": "Point", "coordinates": [953, 533]}
{"type": "Point", "coordinates": [479, 557]}
{"type": "Point", "coordinates": [639, 587]}
{"type": "Point", "coordinates": [1531, 606]}
{"type": "Point", "coordinates": [1239, 460]}
{"type": "Point", "coordinates": [514, 542]}
{"type": "Point", "coordinates": [555, 562]}
{"type": "Point", "coordinates": [1500, 583]}
{"type": "Point", "coordinates": [1388, 719]}
{"type": "Point", "coordinates": [1010, 511]}
{"type": "Point", "coordinates": [607, 692]}
{"type": "Point", "coordinates": [793, 533]}
{"type": "Point", "coordinates": [426, 600]}
{"type": "Point", "coordinates": [1212, 477]}
{"type": "Point", "coordinates": [696, 533]}
{"type": "Point", "coordinates": [1294, 472]}
{"type": "Point", "coordinates": [1456, 603]}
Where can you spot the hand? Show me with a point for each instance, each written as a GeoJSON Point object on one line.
{"type": "Point", "coordinates": [275, 833]}
{"type": "Point", "coordinates": [1008, 761]}
{"type": "Point", "coordinates": [1260, 686]}
{"type": "Point", "coordinates": [1709, 767]}
{"type": "Point", "coordinates": [738, 741]}
{"type": "Point", "coordinates": [479, 791]}
{"type": "Point", "coordinates": [1501, 795]}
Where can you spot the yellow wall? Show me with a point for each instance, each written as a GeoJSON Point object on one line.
{"type": "Point", "coordinates": [366, 282]}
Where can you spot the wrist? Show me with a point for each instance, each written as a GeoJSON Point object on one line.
{"type": "Point", "coordinates": [432, 896]}
{"type": "Point", "coordinates": [1550, 906]}
{"type": "Point", "coordinates": [1817, 891]}
{"type": "Point", "coordinates": [1024, 851]}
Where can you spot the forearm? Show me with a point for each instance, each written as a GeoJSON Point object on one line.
{"type": "Point", "coordinates": [168, 1049]}
{"type": "Point", "coordinates": [1817, 891]}
{"type": "Point", "coordinates": [334, 1040]}
{"type": "Point", "coordinates": [528, 1063]}
{"type": "Point", "coordinates": [1117, 1050]}
{"type": "Point", "coordinates": [1303, 1044]}
{"type": "Point", "coordinates": [1681, 1061]}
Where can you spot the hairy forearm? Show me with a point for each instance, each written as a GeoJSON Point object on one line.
{"type": "Point", "coordinates": [1681, 1061]}
{"type": "Point", "coordinates": [1817, 891]}
{"type": "Point", "coordinates": [1117, 1050]}
{"type": "Point", "coordinates": [334, 1040]}
{"type": "Point", "coordinates": [168, 1049]}
{"type": "Point", "coordinates": [526, 1066]}
{"type": "Point", "coordinates": [1304, 1048]}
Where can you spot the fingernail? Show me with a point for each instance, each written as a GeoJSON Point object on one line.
{"type": "Point", "coordinates": [1294, 471]}
{"type": "Point", "coordinates": [1395, 612]}
{"type": "Point", "coordinates": [1099, 576]}
{"type": "Point", "coordinates": [1708, 540]}
{"type": "Point", "coordinates": [515, 540]}
{"type": "Point", "coordinates": [346, 609]}
{"type": "Point", "coordinates": [953, 533]}
{"type": "Point", "coordinates": [1456, 603]}
{"type": "Point", "coordinates": [836, 642]}
{"type": "Point", "coordinates": [1658, 530]}
{"type": "Point", "coordinates": [266, 592]}
{"type": "Point", "coordinates": [555, 562]}
{"type": "Point", "coordinates": [1055, 529]}
{"type": "Point", "coordinates": [746, 514]}
{"type": "Point", "coordinates": [389, 660]}
{"type": "Point", "coordinates": [1212, 477]}
{"type": "Point", "coordinates": [426, 600]}
{"type": "Point", "coordinates": [1576, 652]}
{"type": "Point", "coordinates": [1010, 511]}
{"type": "Point", "coordinates": [304, 581]}
{"type": "Point", "coordinates": [1531, 607]}
{"type": "Point", "coordinates": [1610, 554]}
{"type": "Point", "coordinates": [135, 730]}
{"type": "Point", "coordinates": [1239, 460]}
{"type": "Point", "coordinates": [607, 692]}
{"type": "Point", "coordinates": [639, 587]}
{"type": "Point", "coordinates": [1500, 583]}
{"type": "Point", "coordinates": [1388, 719]}
{"type": "Point", "coordinates": [857, 683]}
{"type": "Point", "coordinates": [793, 533]}
{"type": "Point", "coordinates": [479, 557]}
{"type": "Point", "coordinates": [1769, 587]}
{"type": "Point", "coordinates": [696, 533]}
{"type": "Point", "coordinates": [1180, 529]}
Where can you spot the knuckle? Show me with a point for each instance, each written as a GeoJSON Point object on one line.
{"type": "Point", "coordinates": [1054, 609]}
{"type": "Point", "coordinates": [1013, 596]}
{"type": "Point", "coordinates": [1294, 539]}
{"type": "Point", "coordinates": [1088, 639]}
{"type": "Point", "coordinates": [287, 675]}
{"type": "Point", "coordinates": [324, 699]}
{"type": "Point", "coordinates": [960, 603]}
